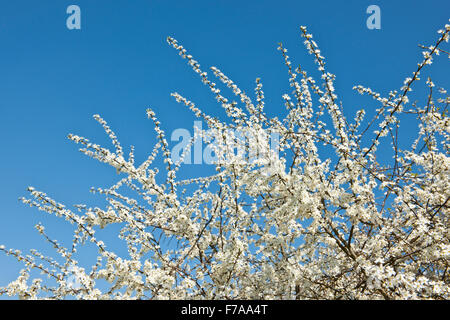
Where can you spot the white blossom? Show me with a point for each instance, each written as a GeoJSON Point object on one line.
{"type": "Point", "coordinates": [325, 216]}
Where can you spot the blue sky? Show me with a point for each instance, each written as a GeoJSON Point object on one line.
{"type": "Point", "coordinates": [52, 80]}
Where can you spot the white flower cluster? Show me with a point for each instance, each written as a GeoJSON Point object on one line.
{"type": "Point", "coordinates": [300, 223]}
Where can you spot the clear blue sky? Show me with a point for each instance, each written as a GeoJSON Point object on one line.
{"type": "Point", "coordinates": [52, 80]}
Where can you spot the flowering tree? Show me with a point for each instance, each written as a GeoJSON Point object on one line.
{"type": "Point", "coordinates": [366, 219]}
